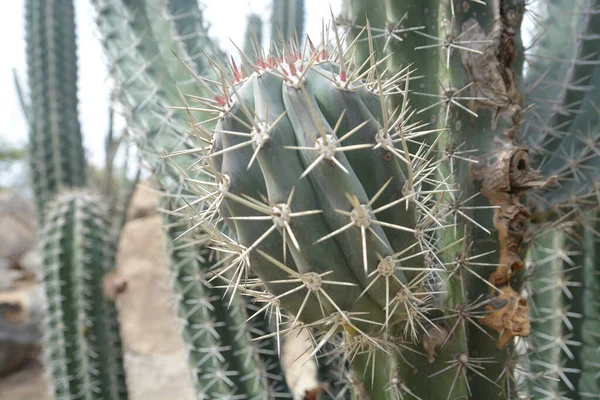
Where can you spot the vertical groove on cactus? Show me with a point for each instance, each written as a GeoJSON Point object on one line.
{"type": "Point", "coordinates": [56, 159]}
{"type": "Point", "coordinates": [83, 354]}
{"type": "Point", "coordinates": [557, 296]}
{"type": "Point", "coordinates": [287, 19]}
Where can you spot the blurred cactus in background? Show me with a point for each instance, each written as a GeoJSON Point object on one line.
{"type": "Point", "coordinates": [78, 240]}
{"type": "Point", "coordinates": [57, 159]}
{"type": "Point", "coordinates": [83, 340]}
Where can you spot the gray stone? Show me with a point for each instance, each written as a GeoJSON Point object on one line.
{"type": "Point", "coordinates": [31, 262]}
{"type": "Point", "coordinates": [7, 274]}
{"type": "Point", "coordinates": [17, 226]}
{"type": "Point", "coordinates": [21, 325]}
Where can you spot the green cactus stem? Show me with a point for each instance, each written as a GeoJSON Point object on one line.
{"type": "Point", "coordinates": [192, 29]}
{"type": "Point", "coordinates": [287, 19]}
{"type": "Point", "coordinates": [56, 155]}
{"type": "Point", "coordinates": [557, 304]}
{"type": "Point", "coordinates": [223, 359]}
{"type": "Point", "coordinates": [83, 343]}
{"type": "Point", "coordinates": [253, 41]}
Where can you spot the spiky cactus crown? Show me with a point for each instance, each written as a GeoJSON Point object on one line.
{"type": "Point", "coordinates": [364, 222]}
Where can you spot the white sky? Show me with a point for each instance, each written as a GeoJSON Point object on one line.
{"type": "Point", "coordinates": [227, 18]}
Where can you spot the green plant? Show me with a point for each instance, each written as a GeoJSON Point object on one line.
{"type": "Point", "coordinates": [140, 43]}
{"type": "Point", "coordinates": [380, 189]}
{"type": "Point", "coordinates": [78, 245]}
{"type": "Point", "coordinates": [82, 339]}
{"type": "Point", "coordinates": [394, 205]}
{"type": "Point", "coordinates": [56, 156]}
{"type": "Point", "coordinates": [287, 19]}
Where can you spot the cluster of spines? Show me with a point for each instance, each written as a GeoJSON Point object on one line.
{"type": "Point", "coordinates": [56, 156]}
{"type": "Point", "coordinates": [83, 346]}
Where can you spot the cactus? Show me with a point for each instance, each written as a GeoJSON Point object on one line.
{"type": "Point", "coordinates": [589, 379]}
{"type": "Point", "coordinates": [557, 295]}
{"type": "Point", "coordinates": [386, 203]}
{"type": "Point", "coordinates": [253, 41]}
{"type": "Point", "coordinates": [56, 156]}
{"type": "Point", "coordinates": [192, 30]}
{"type": "Point", "coordinates": [215, 329]}
{"type": "Point", "coordinates": [287, 19]}
{"type": "Point", "coordinates": [83, 345]}
{"type": "Point", "coordinates": [83, 342]}
{"type": "Point", "coordinates": [140, 41]}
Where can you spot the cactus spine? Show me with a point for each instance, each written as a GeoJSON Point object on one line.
{"type": "Point", "coordinates": [287, 19]}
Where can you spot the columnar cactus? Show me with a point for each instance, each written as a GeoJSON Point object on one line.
{"type": "Point", "coordinates": [83, 342]}
{"type": "Point", "coordinates": [386, 203]}
{"type": "Point", "coordinates": [56, 156]}
{"type": "Point", "coordinates": [192, 29]}
{"type": "Point", "coordinates": [253, 40]}
{"type": "Point", "coordinates": [287, 19]}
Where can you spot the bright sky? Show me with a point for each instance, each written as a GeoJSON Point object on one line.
{"type": "Point", "coordinates": [228, 20]}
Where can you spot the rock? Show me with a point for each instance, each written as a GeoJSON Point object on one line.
{"type": "Point", "coordinates": [21, 325]}
{"type": "Point", "coordinates": [28, 383]}
{"type": "Point", "coordinates": [146, 304]}
{"type": "Point", "coordinates": [31, 263]}
{"type": "Point", "coordinates": [158, 377]}
{"type": "Point", "coordinates": [17, 226]}
{"type": "Point", "coordinates": [154, 351]}
{"type": "Point", "coordinates": [8, 276]}
{"type": "Point", "coordinates": [300, 370]}
{"type": "Point", "coordinates": [144, 201]}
